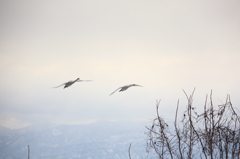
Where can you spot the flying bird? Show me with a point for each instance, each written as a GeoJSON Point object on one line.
{"type": "Point", "coordinates": [69, 83]}
{"type": "Point", "coordinates": [123, 88]}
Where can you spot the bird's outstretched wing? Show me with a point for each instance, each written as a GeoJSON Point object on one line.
{"type": "Point", "coordinates": [59, 85]}
{"type": "Point", "coordinates": [138, 85]}
{"type": "Point", "coordinates": [115, 91]}
{"type": "Point", "coordinates": [84, 80]}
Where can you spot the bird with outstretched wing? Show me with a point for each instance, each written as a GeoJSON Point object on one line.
{"type": "Point", "coordinates": [69, 83]}
{"type": "Point", "coordinates": [123, 88]}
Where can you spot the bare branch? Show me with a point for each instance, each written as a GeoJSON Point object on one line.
{"type": "Point", "coordinates": [215, 132]}
{"type": "Point", "coordinates": [129, 151]}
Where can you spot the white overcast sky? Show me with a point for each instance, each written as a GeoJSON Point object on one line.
{"type": "Point", "coordinates": [165, 46]}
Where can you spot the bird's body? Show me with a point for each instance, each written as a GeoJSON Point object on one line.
{"type": "Point", "coordinates": [69, 83]}
{"type": "Point", "coordinates": [123, 88]}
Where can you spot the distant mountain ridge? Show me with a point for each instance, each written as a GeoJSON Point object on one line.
{"type": "Point", "coordinates": [103, 139]}
{"type": "Point", "coordinates": [5, 131]}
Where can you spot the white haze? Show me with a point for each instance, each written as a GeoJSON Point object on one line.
{"type": "Point", "coordinates": [166, 46]}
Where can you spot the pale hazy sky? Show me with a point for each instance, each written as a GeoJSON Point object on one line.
{"type": "Point", "coordinates": [166, 46]}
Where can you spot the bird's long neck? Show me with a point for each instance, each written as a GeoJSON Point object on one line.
{"type": "Point", "coordinates": [76, 80]}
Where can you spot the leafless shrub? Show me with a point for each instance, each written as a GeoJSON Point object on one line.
{"type": "Point", "coordinates": [213, 134]}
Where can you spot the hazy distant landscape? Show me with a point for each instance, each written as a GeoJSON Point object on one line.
{"type": "Point", "coordinates": [93, 50]}
{"type": "Point", "coordinates": [103, 139]}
